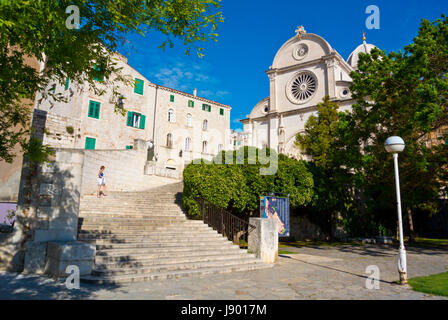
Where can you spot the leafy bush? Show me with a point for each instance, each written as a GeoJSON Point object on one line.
{"type": "Point", "coordinates": [237, 187]}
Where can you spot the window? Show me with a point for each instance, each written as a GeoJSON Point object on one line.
{"type": "Point", "coordinates": [206, 107]}
{"type": "Point", "coordinates": [90, 143]}
{"type": "Point", "coordinates": [136, 120]}
{"type": "Point", "coordinates": [221, 111]}
{"type": "Point", "coordinates": [129, 147]}
{"type": "Point", "coordinates": [187, 144]}
{"type": "Point", "coordinates": [99, 73]}
{"type": "Point", "coordinates": [169, 140]}
{"type": "Point", "coordinates": [94, 109]}
{"type": "Point", "coordinates": [204, 125]}
{"type": "Point", "coordinates": [171, 98]}
{"type": "Point", "coordinates": [138, 87]}
{"type": "Point", "coordinates": [171, 115]}
{"type": "Point", "coordinates": [191, 103]}
{"type": "Point", "coordinates": [204, 146]}
{"type": "Point", "coordinates": [67, 83]}
{"type": "Point", "coordinates": [189, 121]}
{"type": "Point", "coordinates": [219, 147]}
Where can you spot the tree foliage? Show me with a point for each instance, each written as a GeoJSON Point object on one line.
{"type": "Point", "coordinates": [237, 187]}
{"type": "Point", "coordinates": [37, 28]}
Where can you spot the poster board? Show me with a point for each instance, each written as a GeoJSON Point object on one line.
{"type": "Point", "coordinates": [276, 208]}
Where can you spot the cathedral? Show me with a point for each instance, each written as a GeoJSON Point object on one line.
{"type": "Point", "coordinates": [305, 69]}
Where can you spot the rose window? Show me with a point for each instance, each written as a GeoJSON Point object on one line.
{"type": "Point", "coordinates": [302, 87]}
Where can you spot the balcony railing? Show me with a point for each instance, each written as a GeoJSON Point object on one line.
{"type": "Point", "coordinates": [234, 228]}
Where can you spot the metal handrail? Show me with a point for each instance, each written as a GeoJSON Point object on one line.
{"type": "Point", "coordinates": [230, 226]}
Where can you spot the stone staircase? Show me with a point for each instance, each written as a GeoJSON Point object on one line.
{"type": "Point", "coordinates": [142, 236]}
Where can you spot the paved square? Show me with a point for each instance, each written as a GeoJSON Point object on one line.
{"type": "Point", "coordinates": [313, 273]}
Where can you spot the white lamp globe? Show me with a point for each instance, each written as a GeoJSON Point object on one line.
{"type": "Point", "coordinates": [394, 144]}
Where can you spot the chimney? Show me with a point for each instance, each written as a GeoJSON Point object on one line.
{"type": "Point", "coordinates": [195, 92]}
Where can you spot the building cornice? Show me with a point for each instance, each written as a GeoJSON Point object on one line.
{"type": "Point", "coordinates": [292, 112]}
{"type": "Point", "coordinates": [189, 95]}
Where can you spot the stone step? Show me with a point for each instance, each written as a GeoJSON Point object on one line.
{"type": "Point", "coordinates": [82, 234]}
{"type": "Point", "coordinates": [129, 200]}
{"type": "Point", "coordinates": [173, 267]}
{"type": "Point", "coordinates": [178, 225]}
{"type": "Point", "coordinates": [113, 219]}
{"type": "Point", "coordinates": [125, 208]}
{"type": "Point", "coordinates": [138, 239]}
{"type": "Point", "coordinates": [131, 208]}
{"type": "Point", "coordinates": [167, 248]}
{"type": "Point", "coordinates": [129, 223]}
{"type": "Point", "coordinates": [157, 244]}
{"type": "Point", "coordinates": [172, 274]}
{"type": "Point", "coordinates": [165, 254]}
{"type": "Point", "coordinates": [131, 216]}
{"type": "Point", "coordinates": [192, 258]}
{"type": "Point", "coordinates": [156, 201]}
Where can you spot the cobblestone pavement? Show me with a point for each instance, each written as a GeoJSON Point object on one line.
{"type": "Point", "coordinates": [312, 273]}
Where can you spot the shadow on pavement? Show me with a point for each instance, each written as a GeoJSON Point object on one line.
{"type": "Point", "coordinates": [27, 287]}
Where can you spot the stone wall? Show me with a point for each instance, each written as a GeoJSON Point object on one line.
{"type": "Point", "coordinates": [124, 170]}
{"type": "Point", "coordinates": [62, 131]}
{"type": "Point", "coordinates": [47, 211]}
{"type": "Point", "coordinates": [302, 229]}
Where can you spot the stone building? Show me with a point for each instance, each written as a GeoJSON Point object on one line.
{"type": "Point", "coordinates": [177, 126]}
{"type": "Point", "coordinates": [10, 172]}
{"type": "Point", "coordinates": [305, 69]}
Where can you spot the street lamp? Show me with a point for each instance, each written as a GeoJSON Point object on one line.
{"type": "Point", "coordinates": [396, 145]}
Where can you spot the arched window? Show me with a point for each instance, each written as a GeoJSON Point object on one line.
{"type": "Point", "coordinates": [204, 146]}
{"type": "Point", "coordinates": [204, 125]}
{"type": "Point", "coordinates": [189, 123]}
{"type": "Point", "coordinates": [187, 143]}
{"type": "Point", "coordinates": [171, 116]}
{"type": "Point", "coordinates": [219, 147]}
{"type": "Point", "coordinates": [169, 140]}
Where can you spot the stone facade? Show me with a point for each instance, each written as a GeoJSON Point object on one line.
{"type": "Point", "coordinates": [305, 69]}
{"type": "Point", "coordinates": [159, 114]}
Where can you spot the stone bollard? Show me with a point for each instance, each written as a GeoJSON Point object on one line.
{"type": "Point", "coordinates": [263, 240]}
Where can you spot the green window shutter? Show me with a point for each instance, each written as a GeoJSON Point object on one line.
{"type": "Point", "coordinates": [139, 85]}
{"type": "Point", "coordinates": [91, 109]}
{"type": "Point", "coordinates": [204, 106]}
{"type": "Point", "coordinates": [209, 108]}
{"type": "Point", "coordinates": [97, 110]}
{"type": "Point", "coordinates": [94, 109]}
{"type": "Point", "coordinates": [67, 83]}
{"type": "Point", "coordinates": [129, 147]}
{"type": "Point", "coordinates": [172, 98]}
{"type": "Point", "coordinates": [221, 111]}
{"type": "Point", "coordinates": [129, 120]}
{"type": "Point", "coordinates": [142, 121]}
{"type": "Point", "coordinates": [100, 78]}
{"type": "Point", "coordinates": [90, 143]}
{"type": "Point", "coordinates": [191, 103]}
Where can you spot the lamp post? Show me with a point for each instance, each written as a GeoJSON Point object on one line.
{"type": "Point", "coordinates": [396, 145]}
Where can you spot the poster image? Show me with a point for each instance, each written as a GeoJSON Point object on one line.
{"type": "Point", "coordinates": [276, 208]}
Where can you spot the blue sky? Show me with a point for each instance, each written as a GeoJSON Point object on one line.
{"type": "Point", "coordinates": [233, 69]}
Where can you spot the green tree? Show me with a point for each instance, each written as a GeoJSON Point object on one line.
{"type": "Point", "coordinates": [237, 187]}
{"type": "Point", "coordinates": [38, 29]}
{"type": "Point", "coordinates": [407, 95]}
{"type": "Point", "coordinates": [321, 142]}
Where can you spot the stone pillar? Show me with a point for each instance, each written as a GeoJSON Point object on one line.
{"type": "Point", "coordinates": [263, 240]}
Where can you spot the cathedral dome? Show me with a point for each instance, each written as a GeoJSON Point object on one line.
{"type": "Point", "coordinates": [354, 56]}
